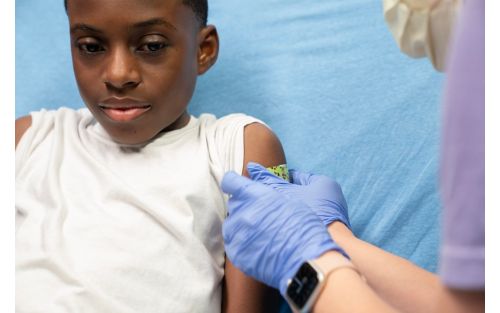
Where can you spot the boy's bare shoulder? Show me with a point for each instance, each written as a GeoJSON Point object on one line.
{"type": "Point", "coordinates": [22, 124]}
{"type": "Point", "coordinates": [260, 136]}
{"type": "Point", "coordinates": [262, 146]}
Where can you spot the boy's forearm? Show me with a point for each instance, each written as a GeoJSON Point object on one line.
{"type": "Point", "coordinates": [243, 294]}
{"type": "Point", "coordinates": [397, 281]}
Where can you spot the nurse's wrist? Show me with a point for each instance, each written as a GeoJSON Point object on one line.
{"type": "Point", "coordinates": [338, 229]}
{"type": "Point", "coordinates": [330, 260]}
{"type": "Point", "coordinates": [334, 265]}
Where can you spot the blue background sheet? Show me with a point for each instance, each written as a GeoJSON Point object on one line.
{"type": "Point", "coordinates": [329, 80]}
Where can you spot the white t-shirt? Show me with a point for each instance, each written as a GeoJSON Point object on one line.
{"type": "Point", "coordinates": [107, 228]}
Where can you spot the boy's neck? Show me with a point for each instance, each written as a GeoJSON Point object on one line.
{"type": "Point", "coordinates": [182, 121]}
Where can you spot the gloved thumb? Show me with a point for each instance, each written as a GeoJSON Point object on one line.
{"type": "Point", "coordinates": [255, 169]}
{"type": "Point", "coordinates": [259, 173]}
{"type": "Point", "coordinates": [327, 183]}
{"type": "Point", "coordinates": [232, 182]}
{"type": "Point", "coordinates": [242, 187]}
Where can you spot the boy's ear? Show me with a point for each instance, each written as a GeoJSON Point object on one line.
{"type": "Point", "coordinates": [208, 48]}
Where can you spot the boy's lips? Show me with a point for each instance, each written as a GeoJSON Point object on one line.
{"type": "Point", "coordinates": [124, 109]}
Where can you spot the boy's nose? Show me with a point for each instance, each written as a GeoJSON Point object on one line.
{"type": "Point", "coordinates": [121, 70]}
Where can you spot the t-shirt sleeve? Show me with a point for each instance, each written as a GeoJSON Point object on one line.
{"type": "Point", "coordinates": [226, 142]}
{"type": "Point", "coordinates": [42, 123]}
{"type": "Point", "coordinates": [45, 126]}
{"type": "Point", "coordinates": [421, 29]}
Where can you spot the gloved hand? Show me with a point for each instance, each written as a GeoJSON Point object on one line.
{"type": "Point", "coordinates": [267, 235]}
{"type": "Point", "coordinates": [321, 193]}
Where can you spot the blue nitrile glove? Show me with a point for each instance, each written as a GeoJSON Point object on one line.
{"type": "Point", "coordinates": [321, 193]}
{"type": "Point", "coordinates": [267, 235]}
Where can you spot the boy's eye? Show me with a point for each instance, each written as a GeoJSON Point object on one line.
{"type": "Point", "coordinates": [89, 47]}
{"type": "Point", "coordinates": [152, 47]}
{"type": "Point", "coordinates": [152, 44]}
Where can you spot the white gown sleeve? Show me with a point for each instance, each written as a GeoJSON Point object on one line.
{"type": "Point", "coordinates": [422, 28]}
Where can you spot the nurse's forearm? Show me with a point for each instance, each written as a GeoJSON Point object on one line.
{"type": "Point", "coordinates": [346, 292]}
{"type": "Point", "coordinates": [397, 281]}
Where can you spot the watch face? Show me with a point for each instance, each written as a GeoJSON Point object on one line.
{"type": "Point", "coordinates": [303, 285]}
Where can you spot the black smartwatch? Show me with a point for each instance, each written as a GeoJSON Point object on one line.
{"type": "Point", "coordinates": [304, 287]}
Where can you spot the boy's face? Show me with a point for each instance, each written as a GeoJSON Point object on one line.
{"type": "Point", "coordinates": [136, 63]}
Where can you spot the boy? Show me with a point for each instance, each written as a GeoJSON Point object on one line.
{"type": "Point", "coordinates": [119, 207]}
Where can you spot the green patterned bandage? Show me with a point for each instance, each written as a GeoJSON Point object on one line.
{"type": "Point", "coordinates": [280, 171]}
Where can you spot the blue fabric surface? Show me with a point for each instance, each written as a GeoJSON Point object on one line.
{"type": "Point", "coordinates": [325, 75]}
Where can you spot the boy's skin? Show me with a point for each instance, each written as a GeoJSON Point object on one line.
{"type": "Point", "coordinates": [136, 63]}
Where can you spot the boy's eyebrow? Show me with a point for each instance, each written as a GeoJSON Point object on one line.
{"type": "Point", "coordinates": [148, 23]}
{"type": "Point", "coordinates": [154, 22]}
{"type": "Point", "coordinates": [84, 27]}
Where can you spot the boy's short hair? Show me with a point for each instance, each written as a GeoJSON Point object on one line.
{"type": "Point", "coordinates": [199, 7]}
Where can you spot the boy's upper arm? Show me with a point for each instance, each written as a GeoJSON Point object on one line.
{"type": "Point", "coordinates": [22, 124]}
{"type": "Point", "coordinates": [242, 293]}
{"type": "Point", "coordinates": [262, 146]}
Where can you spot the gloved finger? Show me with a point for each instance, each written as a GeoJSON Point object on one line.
{"type": "Point", "coordinates": [259, 173]}
{"type": "Point", "coordinates": [300, 178]}
{"type": "Point", "coordinates": [232, 182]}
{"type": "Point", "coordinates": [324, 181]}
{"type": "Point", "coordinates": [330, 184]}
{"type": "Point", "coordinates": [255, 167]}
{"type": "Point", "coordinates": [243, 190]}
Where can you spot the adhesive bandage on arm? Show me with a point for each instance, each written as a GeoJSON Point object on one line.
{"type": "Point", "coordinates": [280, 171]}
